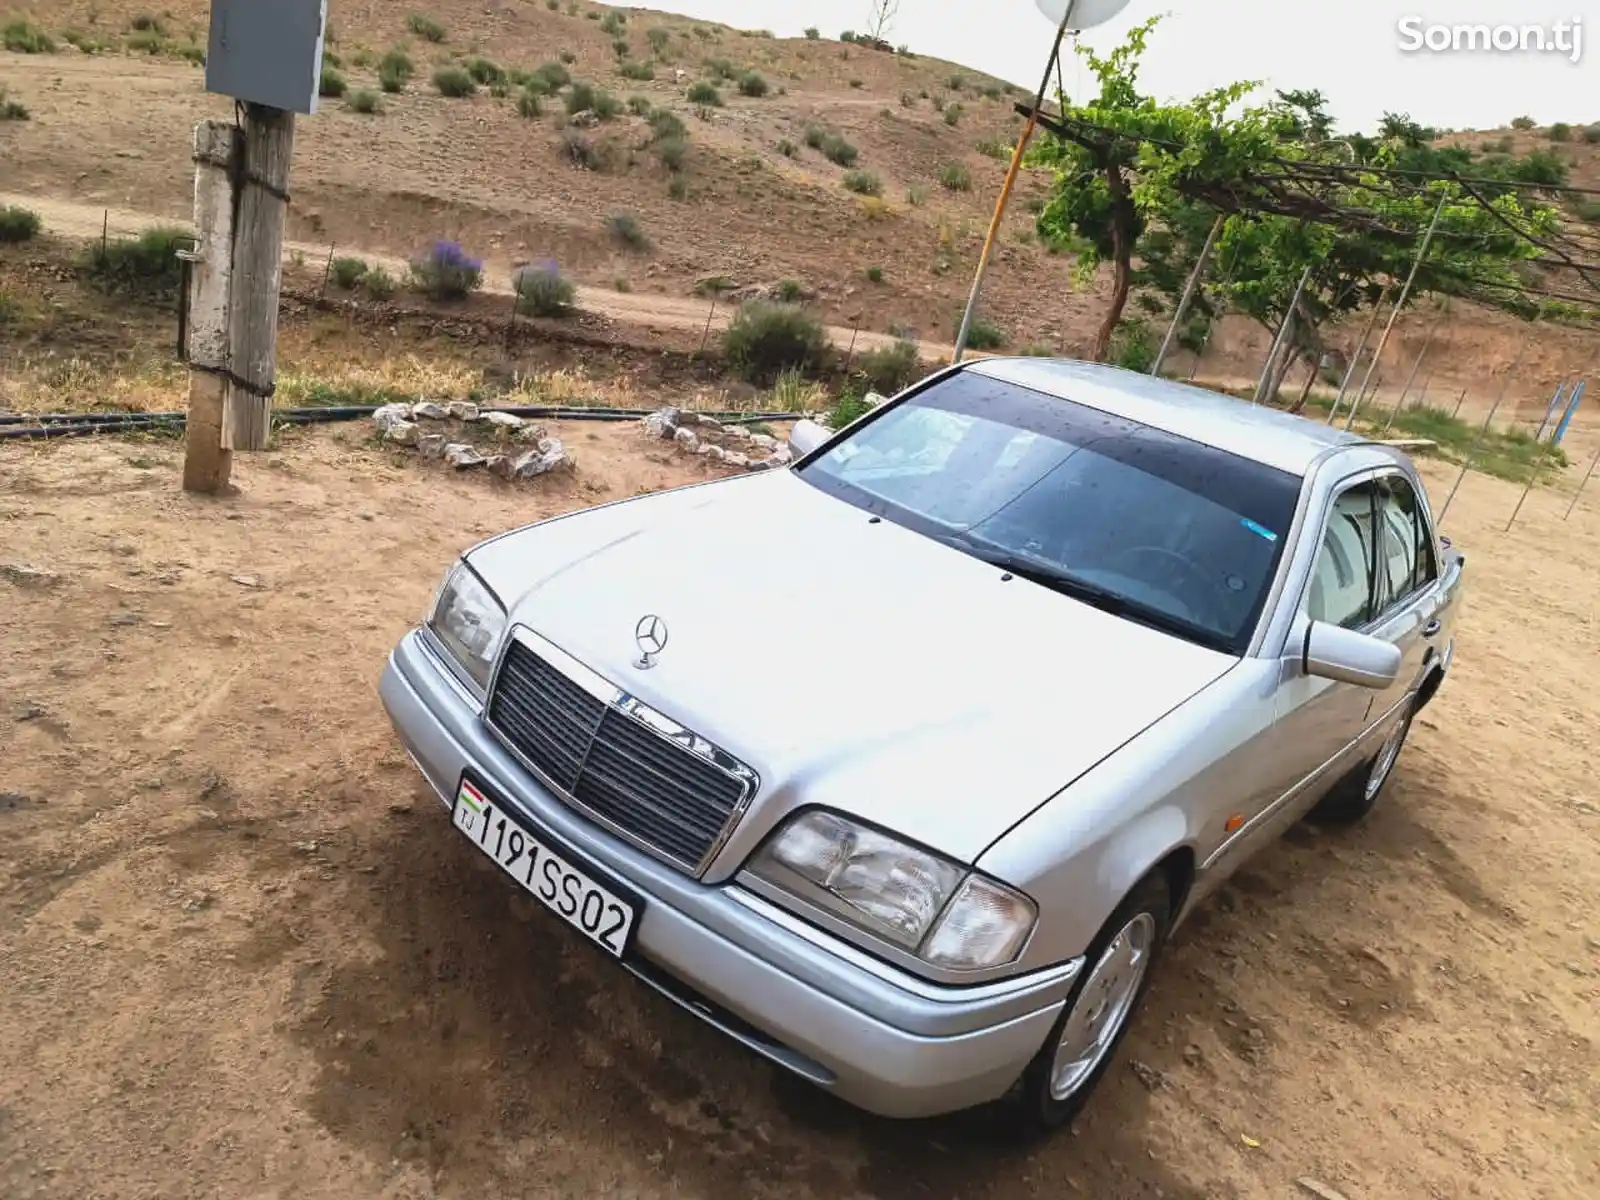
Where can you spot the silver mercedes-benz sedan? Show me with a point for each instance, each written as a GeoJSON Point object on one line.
{"type": "Point", "coordinates": [900, 765]}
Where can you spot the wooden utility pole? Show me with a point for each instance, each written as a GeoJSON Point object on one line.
{"type": "Point", "coordinates": [241, 193]}
{"type": "Point", "coordinates": [258, 274]}
{"type": "Point", "coordinates": [206, 461]}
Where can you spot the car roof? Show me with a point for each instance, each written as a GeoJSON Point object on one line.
{"type": "Point", "coordinates": [1254, 431]}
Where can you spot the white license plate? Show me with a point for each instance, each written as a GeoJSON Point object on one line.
{"type": "Point", "coordinates": [568, 890]}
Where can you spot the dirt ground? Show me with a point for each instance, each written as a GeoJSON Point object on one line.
{"type": "Point", "coordinates": [243, 955]}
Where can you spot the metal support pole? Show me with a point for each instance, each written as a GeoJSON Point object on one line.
{"type": "Point", "coordinates": [1355, 359]}
{"type": "Point", "coordinates": [1283, 336]}
{"type": "Point", "coordinates": [1415, 367]}
{"type": "Point", "coordinates": [1572, 411]}
{"type": "Point", "coordinates": [1005, 190]}
{"type": "Point", "coordinates": [1460, 400]}
{"type": "Point", "coordinates": [1594, 462]}
{"type": "Point", "coordinates": [1466, 461]}
{"type": "Point", "coordinates": [1550, 411]}
{"type": "Point", "coordinates": [1399, 305]}
{"type": "Point", "coordinates": [1188, 294]}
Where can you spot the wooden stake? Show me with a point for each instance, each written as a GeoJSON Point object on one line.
{"type": "Point", "coordinates": [206, 464]}
{"type": "Point", "coordinates": [257, 276]}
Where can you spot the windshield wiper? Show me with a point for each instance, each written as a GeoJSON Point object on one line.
{"type": "Point", "coordinates": [1082, 590]}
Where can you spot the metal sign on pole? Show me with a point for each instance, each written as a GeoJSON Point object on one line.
{"type": "Point", "coordinates": [1189, 287]}
{"type": "Point", "coordinates": [1399, 305]}
{"type": "Point", "coordinates": [1066, 14]}
{"type": "Point", "coordinates": [1283, 336]}
{"type": "Point", "coordinates": [268, 59]}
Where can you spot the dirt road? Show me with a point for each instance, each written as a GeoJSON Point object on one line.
{"type": "Point", "coordinates": [88, 222]}
{"type": "Point", "coordinates": [243, 955]}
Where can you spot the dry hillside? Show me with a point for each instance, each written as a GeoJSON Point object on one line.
{"type": "Point", "coordinates": [753, 202]}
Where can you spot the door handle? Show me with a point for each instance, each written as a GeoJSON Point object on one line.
{"type": "Point", "coordinates": [1432, 628]}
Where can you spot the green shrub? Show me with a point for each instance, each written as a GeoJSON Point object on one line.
{"type": "Point", "coordinates": [425, 27]}
{"type": "Point", "coordinates": [12, 110]}
{"type": "Point", "coordinates": [542, 291]}
{"type": "Point", "coordinates": [24, 37]}
{"type": "Point", "coordinates": [553, 5]}
{"type": "Point", "coordinates": [673, 151]}
{"type": "Point", "coordinates": [984, 336]}
{"type": "Point", "coordinates": [194, 54]}
{"type": "Point", "coordinates": [554, 74]}
{"type": "Point", "coordinates": [787, 148]}
{"type": "Point", "coordinates": [849, 409]}
{"type": "Point", "coordinates": [705, 94]}
{"type": "Point", "coordinates": [639, 106]}
{"type": "Point", "coordinates": [720, 69]}
{"type": "Point", "coordinates": [621, 48]}
{"type": "Point", "coordinates": [667, 124]}
{"type": "Point", "coordinates": [1133, 346]}
{"type": "Point", "coordinates": [892, 369]}
{"type": "Point", "coordinates": [147, 264]}
{"type": "Point", "coordinates": [395, 70]}
{"type": "Point", "coordinates": [858, 83]}
{"type": "Point", "coordinates": [765, 339]}
{"type": "Point", "coordinates": [332, 84]}
{"type": "Point", "coordinates": [1587, 210]}
{"type": "Point", "coordinates": [613, 22]}
{"type": "Point", "coordinates": [483, 71]}
{"type": "Point", "coordinates": [956, 178]}
{"type": "Point", "coordinates": [678, 189]}
{"type": "Point", "coordinates": [789, 291]}
{"type": "Point", "coordinates": [446, 272]}
{"type": "Point", "coordinates": [147, 43]}
{"type": "Point", "coordinates": [364, 101]}
{"type": "Point", "coordinates": [378, 284]}
{"type": "Point", "coordinates": [659, 38]}
{"type": "Point", "coordinates": [347, 272]}
{"type": "Point", "coordinates": [18, 224]}
{"type": "Point", "coordinates": [994, 148]}
{"type": "Point", "coordinates": [847, 36]}
{"type": "Point", "coordinates": [626, 229]}
{"type": "Point", "coordinates": [953, 114]}
{"type": "Point", "coordinates": [916, 195]}
{"type": "Point", "coordinates": [145, 23]}
{"type": "Point", "coordinates": [836, 150]}
{"type": "Point", "coordinates": [815, 136]}
{"type": "Point", "coordinates": [875, 274]}
{"type": "Point", "coordinates": [1561, 132]}
{"type": "Point", "coordinates": [530, 104]}
{"type": "Point", "coordinates": [752, 84]}
{"type": "Point", "coordinates": [863, 183]}
{"type": "Point", "coordinates": [956, 83]}
{"type": "Point", "coordinates": [1522, 122]}
{"type": "Point", "coordinates": [813, 34]}
{"type": "Point", "coordinates": [1591, 134]}
{"type": "Point", "coordinates": [637, 71]}
{"type": "Point", "coordinates": [454, 82]}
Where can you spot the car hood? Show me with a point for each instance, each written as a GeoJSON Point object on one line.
{"type": "Point", "coordinates": [852, 663]}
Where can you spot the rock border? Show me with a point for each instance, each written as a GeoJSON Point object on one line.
{"type": "Point", "coordinates": [402, 425]}
{"type": "Point", "coordinates": [692, 433]}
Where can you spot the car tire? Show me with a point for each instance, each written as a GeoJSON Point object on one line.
{"type": "Point", "coordinates": [1059, 1081]}
{"type": "Point", "coordinates": [1358, 793]}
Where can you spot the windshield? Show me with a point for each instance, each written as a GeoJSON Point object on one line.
{"type": "Point", "coordinates": [1134, 520]}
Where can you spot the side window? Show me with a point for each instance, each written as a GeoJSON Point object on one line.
{"type": "Point", "coordinates": [1427, 554]}
{"type": "Point", "coordinates": [1341, 591]}
{"type": "Point", "coordinates": [1397, 554]}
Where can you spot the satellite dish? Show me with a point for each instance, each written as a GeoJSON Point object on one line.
{"type": "Point", "coordinates": [1086, 14]}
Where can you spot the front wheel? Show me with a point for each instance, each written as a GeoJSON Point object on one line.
{"type": "Point", "coordinates": [1117, 974]}
{"type": "Point", "coordinates": [1358, 793]}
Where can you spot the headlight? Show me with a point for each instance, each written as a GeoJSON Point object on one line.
{"type": "Point", "coordinates": [470, 621]}
{"type": "Point", "coordinates": [917, 900]}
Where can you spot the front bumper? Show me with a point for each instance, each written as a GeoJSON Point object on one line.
{"type": "Point", "coordinates": [882, 1039]}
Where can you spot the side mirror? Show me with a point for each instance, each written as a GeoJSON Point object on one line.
{"type": "Point", "coordinates": [806, 436]}
{"type": "Point", "coordinates": [1345, 656]}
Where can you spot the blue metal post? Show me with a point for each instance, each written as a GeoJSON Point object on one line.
{"type": "Point", "coordinates": [1572, 407]}
{"type": "Point", "coordinates": [1550, 411]}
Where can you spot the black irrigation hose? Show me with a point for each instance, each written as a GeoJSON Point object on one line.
{"type": "Point", "coordinates": [64, 425]}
